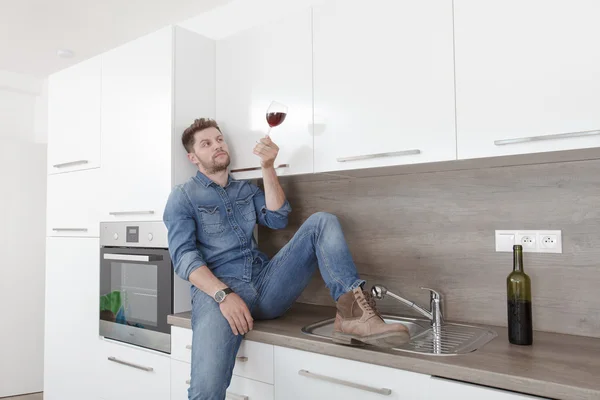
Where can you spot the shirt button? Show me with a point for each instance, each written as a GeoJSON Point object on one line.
{"type": "Point", "coordinates": [236, 228]}
{"type": "Point", "coordinates": [229, 210]}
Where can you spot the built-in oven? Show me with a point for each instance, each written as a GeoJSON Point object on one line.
{"type": "Point", "coordinates": [138, 288]}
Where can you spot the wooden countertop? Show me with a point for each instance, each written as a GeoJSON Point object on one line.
{"type": "Point", "coordinates": [556, 366]}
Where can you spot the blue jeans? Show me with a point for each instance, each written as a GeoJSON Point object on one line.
{"type": "Point", "coordinates": [271, 292]}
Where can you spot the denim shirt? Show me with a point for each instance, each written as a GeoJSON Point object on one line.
{"type": "Point", "coordinates": [212, 225]}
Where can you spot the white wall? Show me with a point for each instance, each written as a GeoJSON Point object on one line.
{"type": "Point", "coordinates": [22, 233]}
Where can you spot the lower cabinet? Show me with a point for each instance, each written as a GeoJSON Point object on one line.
{"type": "Point", "coordinates": [240, 388]}
{"type": "Point", "coordinates": [126, 372]}
{"type": "Point", "coordinates": [444, 388]}
{"type": "Point", "coordinates": [301, 375]}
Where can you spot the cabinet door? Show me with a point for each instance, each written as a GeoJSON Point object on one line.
{"type": "Point", "coordinates": [71, 318]}
{"type": "Point", "coordinates": [383, 83]}
{"type": "Point", "coordinates": [272, 62]}
{"type": "Point", "coordinates": [136, 127]}
{"type": "Point", "coordinates": [127, 372]}
{"type": "Point", "coordinates": [73, 204]}
{"type": "Point", "coordinates": [239, 388]}
{"type": "Point", "coordinates": [443, 388]}
{"type": "Point", "coordinates": [304, 375]}
{"type": "Point", "coordinates": [526, 76]}
{"type": "Point", "coordinates": [74, 117]}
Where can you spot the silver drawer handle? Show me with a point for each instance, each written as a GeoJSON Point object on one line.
{"type": "Point", "coordinates": [546, 137]}
{"type": "Point", "coordinates": [258, 168]}
{"type": "Point", "coordinates": [308, 374]}
{"type": "Point", "coordinates": [70, 229]}
{"type": "Point", "coordinates": [188, 381]}
{"type": "Point", "coordinates": [380, 155]}
{"type": "Point", "coordinates": [131, 212]}
{"type": "Point", "coordinates": [114, 359]}
{"type": "Point", "coordinates": [189, 347]}
{"type": "Point", "coordinates": [70, 163]}
{"type": "Point", "coordinates": [132, 257]}
{"type": "Point", "coordinates": [234, 396]}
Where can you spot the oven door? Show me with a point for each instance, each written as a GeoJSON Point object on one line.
{"type": "Point", "coordinates": [136, 296]}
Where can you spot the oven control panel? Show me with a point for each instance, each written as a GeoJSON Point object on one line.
{"type": "Point", "coordinates": [134, 234]}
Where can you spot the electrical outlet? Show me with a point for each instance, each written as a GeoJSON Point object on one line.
{"type": "Point", "coordinates": [549, 241]}
{"type": "Point", "coordinates": [532, 241]}
{"type": "Point", "coordinates": [527, 239]}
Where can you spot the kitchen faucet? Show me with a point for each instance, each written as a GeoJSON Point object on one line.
{"type": "Point", "coordinates": [435, 315]}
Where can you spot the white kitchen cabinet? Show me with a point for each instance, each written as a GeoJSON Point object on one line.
{"type": "Point", "coordinates": [526, 71]}
{"type": "Point", "coordinates": [126, 372]}
{"type": "Point", "coordinates": [74, 117]}
{"type": "Point", "coordinates": [73, 204]}
{"type": "Point", "coordinates": [239, 388]}
{"type": "Point", "coordinates": [383, 83]}
{"type": "Point", "coordinates": [152, 89]}
{"type": "Point", "coordinates": [304, 375]}
{"type": "Point", "coordinates": [270, 62]}
{"type": "Point", "coordinates": [71, 318]}
{"type": "Point", "coordinates": [449, 389]}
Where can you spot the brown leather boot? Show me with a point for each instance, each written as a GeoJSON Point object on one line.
{"type": "Point", "coordinates": [358, 322]}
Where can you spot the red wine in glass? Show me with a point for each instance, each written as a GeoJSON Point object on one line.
{"type": "Point", "coordinates": [276, 114]}
{"type": "Point", "coordinates": [275, 118]}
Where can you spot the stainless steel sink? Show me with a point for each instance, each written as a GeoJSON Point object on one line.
{"type": "Point", "coordinates": [452, 338]}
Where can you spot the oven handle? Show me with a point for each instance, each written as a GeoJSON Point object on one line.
{"type": "Point", "coordinates": [133, 257]}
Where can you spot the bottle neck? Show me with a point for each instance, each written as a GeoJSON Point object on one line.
{"type": "Point", "coordinates": [518, 260]}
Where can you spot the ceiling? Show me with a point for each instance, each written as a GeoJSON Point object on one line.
{"type": "Point", "coordinates": [31, 31]}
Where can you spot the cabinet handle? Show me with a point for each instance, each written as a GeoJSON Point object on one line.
{"type": "Point", "coordinates": [188, 381]}
{"type": "Point", "coordinates": [234, 396]}
{"type": "Point", "coordinates": [258, 168]}
{"type": "Point", "coordinates": [114, 359]}
{"type": "Point", "coordinates": [70, 163]}
{"type": "Point", "coordinates": [380, 155]}
{"type": "Point", "coordinates": [133, 257]}
{"type": "Point", "coordinates": [546, 137]}
{"type": "Point", "coordinates": [70, 229]}
{"type": "Point", "coordinates": [189, 347]}
{"type": "Point", "coordinates": [308, 374]}
{"type": "Point", "coordinates": [131, 212]}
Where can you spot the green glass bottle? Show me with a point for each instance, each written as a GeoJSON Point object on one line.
{"type": "Point", "coordinates": [518, 288]}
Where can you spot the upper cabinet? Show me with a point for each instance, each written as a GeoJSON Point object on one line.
{"type": "Point", "coordinates": [270, 62]}
{"type": "Point", "coordinates": [152, 88]}
{"type": "Point", "coordinates": [383, 83]}
{"type": "Point", "coordinates": [74, 117]}
{"type": "Point", "coordinates": [526, 76]}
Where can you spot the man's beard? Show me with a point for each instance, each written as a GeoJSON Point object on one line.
{"type": "Point", "coordinates": [216, 166]}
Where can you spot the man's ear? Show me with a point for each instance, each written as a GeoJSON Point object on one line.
{"type": "Point", "coordinates": [192, 157]}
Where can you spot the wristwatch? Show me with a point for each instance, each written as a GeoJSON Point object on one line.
{"type": "Point", "coordinates": [221, 294]}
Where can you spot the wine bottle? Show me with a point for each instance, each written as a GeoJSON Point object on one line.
{"type": "Point", "coordinates": [518, 287]}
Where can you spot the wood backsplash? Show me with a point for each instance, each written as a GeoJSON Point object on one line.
{"type": "Point", "coordinates": [437, 230]}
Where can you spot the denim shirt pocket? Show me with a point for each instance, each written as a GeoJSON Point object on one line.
{"type": "Point", "coordinates": [210, 217]}
{"type": "Point", "coordinates": [246, 208]}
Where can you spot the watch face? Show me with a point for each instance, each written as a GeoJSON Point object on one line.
{"type": "Point", "coordinates": [220, 296]}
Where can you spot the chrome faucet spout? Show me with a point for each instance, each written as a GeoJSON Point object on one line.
{"type": "Point", "coordinates": [435, 315]}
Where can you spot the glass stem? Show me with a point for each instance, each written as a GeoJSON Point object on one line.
{"type": "Point", "coordinates": [269, 131]}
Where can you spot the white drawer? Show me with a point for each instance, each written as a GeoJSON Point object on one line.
{"type": "Point", "coordinates": [239, 389]}
{"type": "Point", "coordinates": [128, 373]}
{"type": "Point", "coordinates": [181, 344]}
{"type": "Point", "coordinates": [254, 360]}
{"type": "Point", "coordinates": [301, 375]}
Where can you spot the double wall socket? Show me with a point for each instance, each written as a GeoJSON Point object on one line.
{"type": "Point", "coordinates": [532, 241]}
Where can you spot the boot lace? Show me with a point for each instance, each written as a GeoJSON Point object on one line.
{"type": "Point", "coordinates": [368, 303]}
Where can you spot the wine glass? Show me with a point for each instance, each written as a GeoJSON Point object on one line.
{"type": "Point", "coordinates": [276, 114]}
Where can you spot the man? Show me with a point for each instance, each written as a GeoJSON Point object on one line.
{"type": "Point", "coordinates": [210, 220]}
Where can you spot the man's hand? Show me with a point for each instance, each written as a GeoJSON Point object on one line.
{"type": "Point", "coordinates": [267, 151]}
{"type": "Point", "coordinates": [236, 312]}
